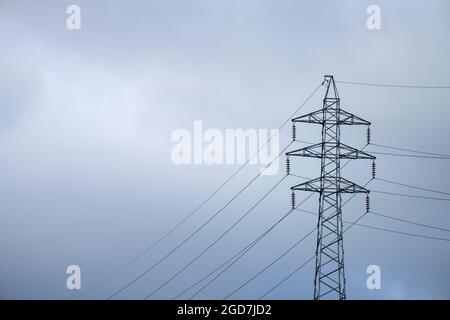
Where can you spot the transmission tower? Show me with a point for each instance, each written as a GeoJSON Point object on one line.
{"type": "Point", "coordinates": [329, 280]}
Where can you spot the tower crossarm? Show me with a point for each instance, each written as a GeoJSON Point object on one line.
{"type": "Point", "coordinates": [330, 185]}
{"type": "Point", "coordinates": [329, 151]}
{"type": "Point", "coordinates": [343, 118]}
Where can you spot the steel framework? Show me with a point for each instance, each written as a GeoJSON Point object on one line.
{"type": "Point", "coordinates": [329, 280]}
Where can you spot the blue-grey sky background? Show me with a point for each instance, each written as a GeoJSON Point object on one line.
{"type": "Point", "coordinates": [86, 118]}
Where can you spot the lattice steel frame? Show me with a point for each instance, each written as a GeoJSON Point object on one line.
{"type": "Point", "coordinates": [329, 277]}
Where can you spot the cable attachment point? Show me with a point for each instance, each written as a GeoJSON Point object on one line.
{"type": "Point", "coordinates": [293, 199]}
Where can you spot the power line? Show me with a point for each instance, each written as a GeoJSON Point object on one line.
{"type": "Point", "coordinates": [298, 109]}
{"type": "Point", "coordinates": [393, 85]}
{"type": "Point", "coordinates": [197, 230]}
{"type": "Point", "coordinates": [287, 277]}
{"type": "Point", "coordinates": [403, 233]}
{"type": "Point", "coordinates": [409, 150]}
{"type": "Point", "coordinates": [190, 214]}
{"type": "Point", "coordinates": [410, 195]}
{"type": "Point", "coordinates": [242, 254]}
{"type": "Point", "coordinates": [271, 264]}
{"type": "Point", "coordinates": [390, 230]}
{"type": "Point", "coordinates": [217, 239]}
{"type": "Point", "coordinates": [410, 155]}
{"type": "Point", "coordinates": [238, 255]}
{"type": "Point", "coordinates": [411, 186]}
{"type": "Point", "coordinates": [215, 270]}
{"type": "Point", "coordinates": [140, 255]}
{"type": "Point", "coordinates": [299, 176]}
{"type": "Point", "coordinates": [409, 221]}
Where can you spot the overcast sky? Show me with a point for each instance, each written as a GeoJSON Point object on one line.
{"type": "Point", "coordinates": [86, 118]}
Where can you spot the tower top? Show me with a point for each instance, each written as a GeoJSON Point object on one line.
{"type": "Point", "coordinates": [331, 95]}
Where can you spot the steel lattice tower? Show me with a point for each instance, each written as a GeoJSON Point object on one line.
{"type": "Point", "coordinates": [329, 271]}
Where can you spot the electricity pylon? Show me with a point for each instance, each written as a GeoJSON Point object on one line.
{"type": "Point", "coordinates": [329, 277]}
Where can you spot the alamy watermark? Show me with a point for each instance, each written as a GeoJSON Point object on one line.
{"type": "Point", "coordinates": [73, 21]}
{"type": "Point", "coordinates": [231, 146]}
{"type": "Point", "coordinates": [73, 281]}
{"type": "Point", "coordinates": [374, 279]}
{"type": "Point", "coordinates": [373, 21]}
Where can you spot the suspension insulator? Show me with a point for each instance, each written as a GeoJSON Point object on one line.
{"type": "Point", "coordinates": [288, 165]}
{"type": "Point", "coordinates": [374, 169]}
{"type": "Point", "coordinates": [293, 199]}
{"type": "Point", "coordinates": [294, 131]}
{"type": "Point", "coordinates": [368, 135]}
{"type": "Point", "coordinates": [367, 203]}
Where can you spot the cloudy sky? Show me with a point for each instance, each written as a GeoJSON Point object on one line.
{"type": "Point", "coordinates": [86, 118]}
